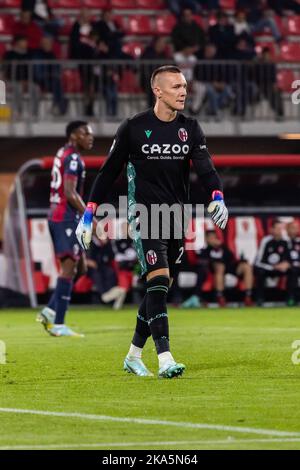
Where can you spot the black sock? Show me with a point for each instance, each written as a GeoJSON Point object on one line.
{"type": "Point", "coordinates": [157, 291]}
{"type": "Point", "coordinates": [142, 329]}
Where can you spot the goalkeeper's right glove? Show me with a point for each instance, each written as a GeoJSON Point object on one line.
{"type": "Point", "coordinates": [84, 231]}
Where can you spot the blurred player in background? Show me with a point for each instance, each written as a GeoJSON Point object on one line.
{"type": "Point", "coordinates": [293, 233]}
{"type": "Point", "coordinates": [157, 147]}
{"type": "Point", "coordinates": [274, 260]}
{"type": "Point", "coordinates": [66, 207]}
{"type": "Point", "coordinates": [219, 260]}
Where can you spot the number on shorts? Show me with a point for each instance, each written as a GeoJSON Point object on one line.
{"type": "Point", "coordinates": [181, 250]}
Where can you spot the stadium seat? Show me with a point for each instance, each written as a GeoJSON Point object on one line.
{"type": "Point", "coordinates": [6, 25]}
{"type": "Point", "coordinates": [243, 236]}
{"type": "Point", "coordinates": [2, 49]}
{"type": "Point", "coordinates": [101, 4]}
{"type": "Point", "coordinates": [150, 4]}
{"type": "Point", "coordinates": [164, 24]}
{"type": "Point", "coordinates": [139, 24]}
{"type": "Point", "coordinates": [198, 19]}
{"type": "Point", "coordinates": [123, 4]}
{"type": "Point", "coordinates": [227, 4]}
{"type": "Point", "coordinates": [290, 52]}
{"type": "Point", "coordinates": [65, 30]}
{"type": "Point", "coordinates": [71, 81]}
{"type": "Point", "coordinates": [83, 285]}
{"type": "Point", "coordinates": [270, 44]}
{"type": "Point", "coordinates": [285, 79]}
{"type": "Point", "coordinates": [10, 3]}
{"type": "Point", "coordinates": [293, 26]}
{"type": "Point", "coordinates": [74, 4]}
{"type": "Point", "coordinates": [129, 82]}
{"type": "Point", "coordinates": [135, 49]}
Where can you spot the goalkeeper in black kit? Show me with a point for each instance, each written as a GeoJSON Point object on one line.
{"type": "Point", "coordinates": [157, 146]}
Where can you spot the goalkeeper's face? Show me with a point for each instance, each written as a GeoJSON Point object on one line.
{"type": "Point", "coordinates": [170, 90]}
{"type": "Point", "coordinates": [85, 137]}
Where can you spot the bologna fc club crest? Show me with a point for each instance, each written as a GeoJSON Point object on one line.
{"type": "Point", "coordinates": [151, 257]}
{"type": "Point", "coordinates": [182, 134]}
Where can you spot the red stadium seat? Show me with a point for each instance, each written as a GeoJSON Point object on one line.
{"type": "Point", "coordinates": [41, 282]}
{"type": "Point", "coordinates": [227, 4]}
{"type": "Point", "coordinates": [139, 24]}
{"type": "Point", "coordinates": [2, 49]}
{"type": "Point", "coordinates": [10, 3]}
{"type": "Point", "coordinates": [6, 25]}
{"type": "Point", "coordinates": [271, 45]}
{"type": "Point", "coordinates": [150, 4]}
{"type": "Point", "coordinates": [83, 285]}
{"type": "Point", "coordinates": [65, 30]}
{"type": "Point", "coordinates": [285, 79]}
{"type": "Point", "coordinates": [290, 52]}
{"type": "Point", "coordinates": [135, 49]}
{"type": "Point", "coordinates": [74, 4]}
{"type": "Point", "coordinates": [199, 21]}
{"type": "Point", "coordinates": [243, 236]}
{"type": "Point", "coordinates": [101, 4]}
{"type": "Point", "coordinates": [129, 83]}
{"type": "Point", "coordinates": [71, 81]}
{"type": "Point", "coordinates": [293, 26]}
{"type": "Point", "coordinates": [165, 24]}
{"type": "Point", "coordinates": [123, 4]}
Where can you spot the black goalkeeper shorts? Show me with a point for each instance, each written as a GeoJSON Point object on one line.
{"type": "Point", "coordinates": [158, 254]}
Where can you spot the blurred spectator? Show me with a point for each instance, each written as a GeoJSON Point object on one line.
{"type": "Point", "coordinates": [218, 94]}
{"type": "Point", "coordinates": [242, 28]}
{"type": "Point", "coordinates": [156, 50]}
{"type": "Point", "coordinates": [274, 260]}
{"type": "Point", "coordinates": [48, 76]}
{"type": "Point", "coordinates": [209, 4]}
{"type": "Point", "coordinates": [266, 80]}
{"type": "Point", "coordinates": [109, 31]}
{"type": "Point", "coordinates": [177, 6]}
{"type": "Point", "coordinates": [222, 35]}
{"type": "Point", "coordinates": [260, 16]}
{"type": "Point", "coordinates": [243, 76]}
{"type": "Point", "coordinates": [108, 78]}
{"type": "Point", "coordinates": [43, 16]}
{"type": "Point", "coordinates": [100, 265]}
{"type": "Point", "coordinates": [186, 60]}
{"type": "Point", "coordinates": [219, 260]}
{"type": "Point", "coordinates": [87, 50]}
{"type": "Point", "coordinates": [280, 6]}
{"type": "Point", "coordinates": [80, 32]}
{"type": "Point", "coordinates": [294, 246]}
{"type": "Point", "coordinates": [28, 28]}
{"type": "Point", "coordinates": [19, 74]}
{"type": "Point", "coordinates": [188, 34]}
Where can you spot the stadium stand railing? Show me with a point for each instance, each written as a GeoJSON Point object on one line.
{"type": "Point", "coordinates": [120, 89]}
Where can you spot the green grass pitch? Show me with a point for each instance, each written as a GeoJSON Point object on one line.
{"type": "Point", "coordinates": [239, 374]}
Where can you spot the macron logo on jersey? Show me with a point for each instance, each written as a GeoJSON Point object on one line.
{"type": "Point", "coordinates": [148, 133]}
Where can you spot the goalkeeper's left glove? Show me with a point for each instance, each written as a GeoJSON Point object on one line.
{"type": "Point", "coordinates": [217, 210]}
{"type": "Point", "coordinates": [84, 231]}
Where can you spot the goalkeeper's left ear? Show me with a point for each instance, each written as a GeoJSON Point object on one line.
{"type": "Point", "coordinates": [217, 209]}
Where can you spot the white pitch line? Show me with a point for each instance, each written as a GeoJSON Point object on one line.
{"type": "Point", "coordinates": [107, 445]}
{"type": "Point", "coordinates": [178, 424]}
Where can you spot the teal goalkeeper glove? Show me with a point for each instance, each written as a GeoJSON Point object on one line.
{"type": "Point", "coordinates": [217, 210]}
{"type": "Point", "coordinates": [84, 231]}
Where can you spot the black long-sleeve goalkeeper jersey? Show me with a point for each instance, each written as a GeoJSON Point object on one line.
{"type": "Point", "coordinates": [157, 155]}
